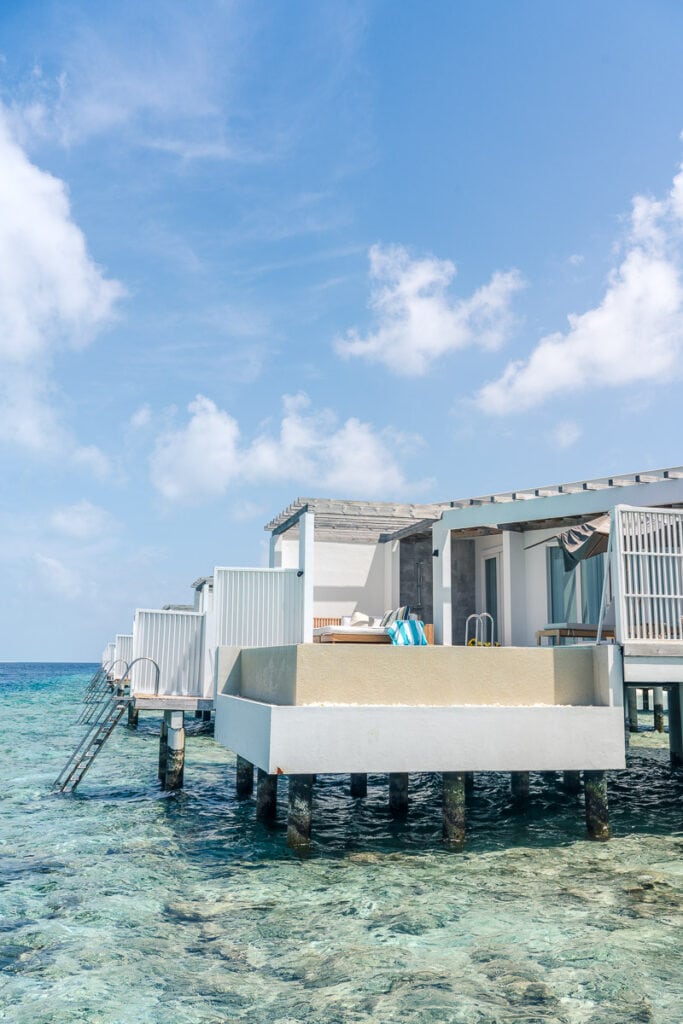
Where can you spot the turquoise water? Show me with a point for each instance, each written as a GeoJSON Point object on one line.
{"type": "Point", "coordinates": [126, 905]}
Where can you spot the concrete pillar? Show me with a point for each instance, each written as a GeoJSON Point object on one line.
{"type": "Point", "coordinates": [658, 703]}
{"type": "Point", "coordinates": [266, 797]}
{"type": "Point", "coordinates": [519, 787]}
{"type": "Point", "coordinates": [198, 714]}
{"type": "Point", "coordinates": [206, 716]}
{"type": "Point", "coordinates": [133, 715]}
{"type": "Point", "coordinates": [359, 784]}
{"type": "Point", "coordinates": [163, 750]}
{"type": "Point", "coordinates": [454, 813]}
{"type": "Point", "coordinates": [299, 816]}
{"type": "Point", "coordinates": [398, 794]}
{"type": "Point", "coordinates": [307, 568]}
{"type": "Point", "coordinates": [646, 698]}
{"type": "Point", "coordinates": [175, 753]}
{"type": "Point", "coordinates": [572, 782]}
{"type": "Point", "coordinates": [244, 778]}
{"type": "Point", "coordinates": [597, 811]}
{"type": "Point", "coordinates": [675, 726]}
{"type": "Point", "coordinates": [632, 704]}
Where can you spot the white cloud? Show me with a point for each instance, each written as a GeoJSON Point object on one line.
{"type": "Point", "coordinates": [51, 292]}
{"type": "Point", "coordinates": [201, 459]}
{"type": "Point", "coordinates": [159, 77]}
{"type": "Point", "coordinates": [52, 297]}
{"type": "Point", "coordinates": [82, 521]}
{"type": "Point", "coordinates": [634, 334]}
{"type": "Point", "coordinates": [141, 417]}
{"type": "Point", "coordinates": [207, 456]}
{"type": "Point", "coordinates": [418, 321]}
{"type": "Point", "coordinates": [566, 434]}
{"type": "Point", "coordinates": [58, 577]}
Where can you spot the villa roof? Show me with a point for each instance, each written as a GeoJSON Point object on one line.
{"type": "Point", "coordinates": [354, 520]}
{"type": "Point", "coordinates": [201, 582]}
{"type": "Point", "coordinates": [600, 483]}
{"type": "Point", "coordinates": [561, 505]}
{"type": "Point", "coordinates": [370, 521]}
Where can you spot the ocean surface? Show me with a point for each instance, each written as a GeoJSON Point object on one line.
{"type": "Point", "coordinates": [126, 905]}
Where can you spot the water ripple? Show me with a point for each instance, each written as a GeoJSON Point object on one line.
{"type": "Point", "coordinates": [126, 905]}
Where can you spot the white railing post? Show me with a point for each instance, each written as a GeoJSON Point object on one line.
{"type": "Point", "coordinates": [443, 615]}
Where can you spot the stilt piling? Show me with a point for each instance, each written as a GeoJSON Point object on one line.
{"type": "Point", "coordinates": [597, 811]}
{"type": "Point", "coordinates": [398, 794]}
{"type": "Point", "coordinates": [359, 784]}
{"type": "Point", "coordinates": [300, 808]}
{"type": "Point", "coordinates": [175, 753]}
{"type": "Point", "coordinates": [454, 813]}
{"type": "Point", "coordinates": [244, 778]}
{"type": "Point", "coordinates": [266, 797]}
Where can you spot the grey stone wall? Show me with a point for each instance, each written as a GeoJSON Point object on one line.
{"type": "Point", "coordinates": [462, 586]}
{"type": "Point", "coordinates": [415, 574]}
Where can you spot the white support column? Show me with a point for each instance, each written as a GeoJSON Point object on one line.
{"type": "Point", "coordinates": [392, 567]}
{"type": "Point", "coordinates": [275, 556]}
{"type": "Point", "coordinates": [514, 631]}
{"type": "Point", "coordinates": [443, 614]}
{"type": "Point", "coordinates": [307, 566]}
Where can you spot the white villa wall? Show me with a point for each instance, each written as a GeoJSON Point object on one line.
{"type": "Point", "coordinates": [348, 577]}
{"type": "Point", "coordinates": [256, 608]}
{"type": "Point", "coordinates": [123, 654]}
{"type": "Point", "coordinates": [173, 640]}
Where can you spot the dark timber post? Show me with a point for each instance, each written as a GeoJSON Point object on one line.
{"type": "Point", "coordinates": [244, 778]}
{"type": "Point", "coordinates": [519, 787]}
{"type": "Point", "coordinates": [133, 715]}
{"type": "Point", "coordinates": [299, 817]}
{"type": "Point", "coordinates": [572, 782]}
{"type": "Point", "coordinates": [658, 703]}
{"type": "Point", "coordinates": [266, 797]}
{"type": "Point", "coordinates": [359, 784]}
{"type": "Point", "coordinates": [597, 811]}
{"type": "Point", "coordinates": [175, 754]}
{"type": "Point", "coordinates": [163, 750]}
{"type": "Point", "coordinates": [632, 704]}
{"type": "Point", "coordinates": [675, 726]}
{"type": "Point", "coordinates": [454, 809]}
{"type": "Point", "coordinates": [398, 794]}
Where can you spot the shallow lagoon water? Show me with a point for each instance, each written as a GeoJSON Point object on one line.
{"type": "Point", "coordinates": [126, 905]}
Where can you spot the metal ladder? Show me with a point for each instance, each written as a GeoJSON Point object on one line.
{"type": "Point", "coordinates": [104, 723]}
{"type": "Point", "coordinates": [100, 689]}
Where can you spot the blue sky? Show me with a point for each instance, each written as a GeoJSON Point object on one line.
{"type": "Point", "coordinates": [384, 250]}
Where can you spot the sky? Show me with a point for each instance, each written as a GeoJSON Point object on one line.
{"type": "Point", "coordinates": [253, 250]}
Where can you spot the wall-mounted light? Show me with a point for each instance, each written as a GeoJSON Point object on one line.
{"type": "Point", "coordinates": [435, 553]}
{"type": "Point", "coordinates": [300, 572]}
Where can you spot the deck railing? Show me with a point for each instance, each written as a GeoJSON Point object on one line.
{"type": "Point", "coordinates": [647, 567]}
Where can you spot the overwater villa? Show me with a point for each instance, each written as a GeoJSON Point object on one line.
{"type": "Point", "coordinates": [542, 610]}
